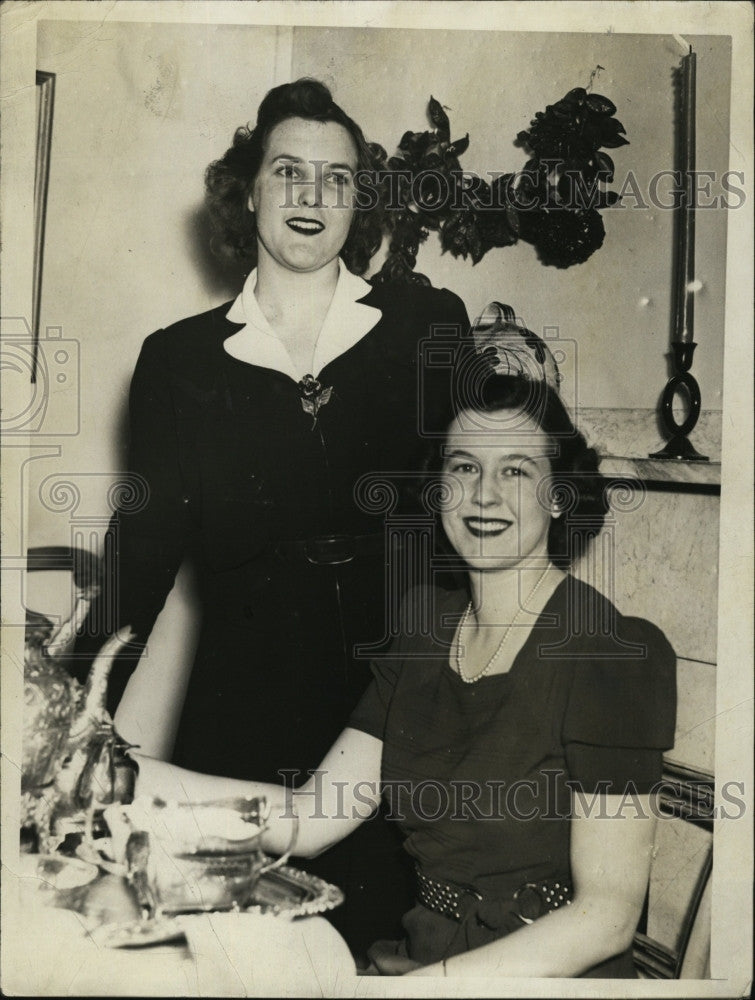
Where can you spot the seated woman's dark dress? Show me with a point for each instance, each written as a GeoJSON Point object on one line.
{"type": "Point", "coordinates": [477, 774]}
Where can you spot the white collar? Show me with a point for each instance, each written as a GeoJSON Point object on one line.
{"type": "Point", "coordinates": [346, 322]}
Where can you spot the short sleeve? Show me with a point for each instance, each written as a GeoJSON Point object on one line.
{"type": "Point", "coordinates": [621, 712]}
{"type": "Point", "coordinates": [370, 714]}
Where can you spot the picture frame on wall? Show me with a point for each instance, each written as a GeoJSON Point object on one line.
{"type": "Point", "coordinates": [45, 96]}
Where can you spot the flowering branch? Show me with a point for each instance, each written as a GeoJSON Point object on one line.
{"type": "Point", "coordinates": [554, 203]}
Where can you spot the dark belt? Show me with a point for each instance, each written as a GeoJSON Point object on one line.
{"type": "Point", "coordinates": [330, 550]}
{"type": "Point", "coordinates": [530, 901]}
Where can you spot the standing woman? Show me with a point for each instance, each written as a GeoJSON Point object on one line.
{"type": "Point", "coordinates": [251, 425]}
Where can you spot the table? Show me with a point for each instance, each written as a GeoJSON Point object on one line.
{"type": "Point", "coordinates": [53, 951]}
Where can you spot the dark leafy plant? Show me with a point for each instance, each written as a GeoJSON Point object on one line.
{"type": "Point", "coordinates": [564, 237]}
{"type": "Point", "coordinates": [554, 202]}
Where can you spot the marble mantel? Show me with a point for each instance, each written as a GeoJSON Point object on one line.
{"type": "Point", "coordinates": [636, 434]}
{"type": "Point", "coordinates": [687, 477]}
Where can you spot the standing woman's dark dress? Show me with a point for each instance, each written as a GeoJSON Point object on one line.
{"type": "Point", "coordinates": [239, 472]}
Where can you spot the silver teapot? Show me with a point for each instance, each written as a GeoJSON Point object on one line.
{"type": "Point", "coordinates": [74, 763]}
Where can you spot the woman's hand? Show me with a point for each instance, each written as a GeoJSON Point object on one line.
{"type": "Point", "coordinates": [116, 817]}
{"type": "Point", "coordinates": [399, 965]}
{"type": "Point", "coordinates": [436, 969]}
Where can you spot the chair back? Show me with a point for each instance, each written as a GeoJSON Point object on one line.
{"type": "Point", "coordinates": [673, 938]}
{"type": "Point", "coordinates": [45, 594]}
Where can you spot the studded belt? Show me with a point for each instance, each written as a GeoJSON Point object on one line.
{"type": "Point", "coordinates": [530, 901]}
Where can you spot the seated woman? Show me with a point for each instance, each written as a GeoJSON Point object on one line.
{"type": "Point", "coordinates": [518, 739]}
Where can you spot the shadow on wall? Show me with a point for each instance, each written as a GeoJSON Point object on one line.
{"type": "Point", "coordinates": [221, 278]}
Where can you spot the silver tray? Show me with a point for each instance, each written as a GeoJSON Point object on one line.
{"type": "Point", "coordinates": [285, 891]}
{"type": "Point", "coordinates": [293, 893]}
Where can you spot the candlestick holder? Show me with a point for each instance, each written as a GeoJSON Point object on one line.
{"type": "Point", "coordinates": [682, 345]}
{"type": "Point", "coordinates": [678, 446]}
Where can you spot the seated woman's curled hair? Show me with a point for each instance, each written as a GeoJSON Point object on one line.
{"type": "Point", "coordinates": [574, 485]}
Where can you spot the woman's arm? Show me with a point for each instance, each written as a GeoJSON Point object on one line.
{"type": "Point", "coordinates": [611, 851]}
{"type": "Point", "coordinates": [342, 793]}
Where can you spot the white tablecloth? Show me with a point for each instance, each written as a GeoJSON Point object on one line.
{"type": "Point", "coordinates": [49, 951]}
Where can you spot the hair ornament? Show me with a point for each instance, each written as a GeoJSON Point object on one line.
{"type": "Point", "coordinates": [511, 349]}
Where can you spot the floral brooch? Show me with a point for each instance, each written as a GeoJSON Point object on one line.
{"type": "Point", "coordinates": [313, 395]}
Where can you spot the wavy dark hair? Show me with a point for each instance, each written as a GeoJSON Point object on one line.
{"type": "Point", "coordinates": [575, 485]}
{"type": "Point", "coordinates": [229, 180]}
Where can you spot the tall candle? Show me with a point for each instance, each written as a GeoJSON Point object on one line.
{"type": "Point", "coordinates": [685, 303]}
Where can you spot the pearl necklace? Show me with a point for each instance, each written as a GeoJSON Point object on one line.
{"type": "Point", "coordinates": [486, 670]}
